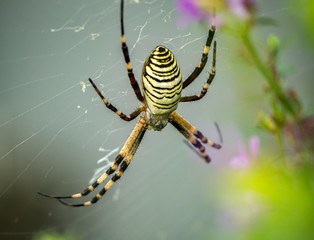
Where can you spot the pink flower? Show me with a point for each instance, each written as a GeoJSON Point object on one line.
{"type": "Point", "coordinates": [244, 159]}
{"type": "Point", "coordinates": [202, 10]}
{"type": "Point", "coordinates": [241, 8]}
{"type": "Point", "coordinates": [191, 10]}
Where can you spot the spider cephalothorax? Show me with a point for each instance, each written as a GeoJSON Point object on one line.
{"type": "Point", "coordinates": [161, 93]}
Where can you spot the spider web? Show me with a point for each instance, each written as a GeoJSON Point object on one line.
{"type": "Point", "coordinates": [56, 135]}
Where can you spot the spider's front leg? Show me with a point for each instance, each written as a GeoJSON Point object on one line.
{"type": "Point", "coordinates": [207, 84]}
{"type": "Point", "coordinates": [126, 55]}
{"type": "Point", "coordinates": [115, 110]}
{"type": "Point", "coordinates": [201, 66]}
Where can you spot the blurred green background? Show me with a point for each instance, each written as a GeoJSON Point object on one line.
{"type": "Point", "coordinates": [54, 129]}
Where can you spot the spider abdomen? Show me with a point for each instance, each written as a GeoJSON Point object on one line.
{"type": "Point", "coordinates": [161, 81]}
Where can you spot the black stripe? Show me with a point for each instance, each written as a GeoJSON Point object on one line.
{"type": "Point", "coordinates": [115, 177]}
{"type": "Point", "coordinates": [110, 171]}
{"type": "Point", "coordinates": [215, 145]}
{"type": "Point", "coordinates": [125, 52]}
{"type": "Point", "coordinates": [95, 184]}
{"type": "Point", "coordinates": [164, 73]}
{"type": "Point", "coordinates": [169, 97]}
{"type": "Point", "coordinates": [161, 88]}
{"type": "Point", "coordinates": [162, 60]}
{"type": "Point", "coordinates": [169, 105]}
{"type": "Point", "coordinates": [167, 91]}
{"type": "Point", "coordinates": [156, 79]}
{"type": "Point", "coordinates": [198, 134]}
{"type": "Point", "coordinates": [101, 193]}
{"type": "Point", "coordinates": [163, 92]}
{"type": "Point", "coordinates": [118, 160]}
{"type": "Point", "coordinates": [165, 53]}
{"type": "Point", "coordinates": [123, 166]}
{"type": "Point", "coordinates": [165, 79]}
{"type": "Point", "coordinates": [158, 56]}
{"type": "Point", "coordinates": [161, 64]}
{"type": "Point", "coordinates": [87, 191]}
{"type": "Point", "coordinates": [198, 145]}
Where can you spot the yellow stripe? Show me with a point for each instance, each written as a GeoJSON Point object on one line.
{"type": "Point", "coordinates": [157, 54]}
{"type": "Point", "coordinates": [118, 112]}
{"type": "Point", "coordinates": [158, 73]}
{"type": "Point", "coordinates": [161, 68]}
{"type": "Point", "coordinates": [76, 195]}
{"type": "Point", "coordinates": [105, 101]}
{"type": "Point", "coordinates": [206, 49]}
{"type": "Point", "coordinates": [163, 87]}
{"type": "Point", "coordinates": [158, 85]}
{"type": "Point", "coordinates": [109, 184]}
{"type": "Point", "coordinates": [165, 102]}
{"type": "Point", "coordinates": [98, 196]}
{"type": "Point", "coordinates": [102, 178]}
{"type": "Point", "coordinates": [129, 66]}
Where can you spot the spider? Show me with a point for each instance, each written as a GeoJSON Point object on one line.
{"type": "Point", "coordinates": [161, 93]}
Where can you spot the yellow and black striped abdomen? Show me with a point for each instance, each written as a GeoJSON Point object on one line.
{"type": "Point", "coordinates": [161, 81]}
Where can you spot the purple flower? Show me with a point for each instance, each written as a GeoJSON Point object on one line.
{"type": "Point", "coordinates": [191, 10]}
{"type": "Point", "coordinates": [245, 158]}
{"type": "Point", "coordinates": [202, 10]}
{"type": "Point", "coordinates": [190, 7]}
{"type": "Point", "coordinates": [241, 8]}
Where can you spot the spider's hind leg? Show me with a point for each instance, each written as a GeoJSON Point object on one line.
{"type": "Point", "coordinates": [195, 132]}
{"type": "Point", "coordinates": [125, 163]}
{"type": "Point", "coordinates": [89, 189]}
{"type": "Point", "coordinates": [192, 139]}
{"type": "Point", "coordinates": [192, 135]}
{"type": "Point", "coordinates": [126, 153]}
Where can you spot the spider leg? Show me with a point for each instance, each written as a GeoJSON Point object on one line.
{"type": "Point", "coordinates": [207, 84]}
{"type": "Point", "coordinates": [180, 120]}
{"type": "Point", "coordinates": [126, 55]}
{"type": "Point", "coordinates": [132, 140]}
{"type": "Point", "coordinates": [115, 110]}
{"type": "Point", "coordinates": [89, 189]}
{"type": "Point", "coordinates": [125, 163]}
{"type": "Point", "coordinates": [200, 67]}
{"type": "Point", "coordinates": [193, 140]}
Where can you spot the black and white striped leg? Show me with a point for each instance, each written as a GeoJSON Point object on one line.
{"type": "Point", "coordinates": [192, 139]}
{"type": "Point", "coordinates": [196, 132]}
{"type": "Point", "coordinates": [125, 163]}
{"type": "Point", "coordinates": [115, 110]}
{"type": "Point", "coordinates": [201, 66]}
{"type": "Point", "coordinates": [207, 84]}
{"type": "Point", "coordinates": [124, 153]}
{"type": "Point", "coordinates": [126, 55]}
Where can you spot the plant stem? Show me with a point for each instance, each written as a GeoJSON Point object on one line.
{"type": "Point", "coordinates": [266, 73]}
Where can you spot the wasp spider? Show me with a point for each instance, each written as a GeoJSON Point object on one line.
{"type": "Point", "coordinates": [161, 93]}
